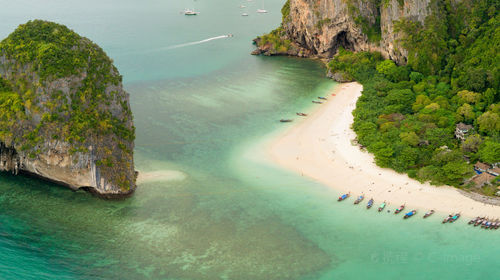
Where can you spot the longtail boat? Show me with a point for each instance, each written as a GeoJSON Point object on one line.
{"type": "Point", "coordinates": [474, 220]}
{"type": "Point", "coordinates": [428, 214]}
{"type": "Point", "coordinates": [401, 208]}
{"type": "Point", "coordinates": [344, 196]}
{"type": "Point", "coordinates": [381, 207]}
{"type": "Point", "coordinates": [370, 203]}
{"type": "Point", "coordinates": [410, 214]}
{"type": "Point", "coordinates": [359, 199]}
{"type": "Point", "coordinates": [455, 217]}
{"type": "Point", "coordinates": [447, 219]}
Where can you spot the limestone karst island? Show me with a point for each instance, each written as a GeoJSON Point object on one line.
{"type": "Point", "coordinates": [250, 139]}
{"type": "Point", "coordinates": [64, 114]}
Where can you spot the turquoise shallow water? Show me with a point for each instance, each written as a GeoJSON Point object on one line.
{"type": "Point", "coordinates": [201, 109]}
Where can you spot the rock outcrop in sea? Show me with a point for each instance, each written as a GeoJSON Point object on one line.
{"type": "Point", "coordinates": [317, 28]}
{"type": "Point", "coordinates": [64, 115]}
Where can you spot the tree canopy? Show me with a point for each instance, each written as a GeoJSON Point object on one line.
{"type": "Point", "coordinates": [407, 114]}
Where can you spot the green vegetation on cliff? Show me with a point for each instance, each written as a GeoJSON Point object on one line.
{"type": "Point", "coordinates": [57, 85]}
{"type": "Point", "coordinates": [407, 115]}
{"type": "Point", "coordinates": [275, 40]}
{"type": "Point", "coordinates": [369, 24]}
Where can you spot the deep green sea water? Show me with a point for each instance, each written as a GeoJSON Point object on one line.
{"type": "Point", "coordinates": [201, 108]}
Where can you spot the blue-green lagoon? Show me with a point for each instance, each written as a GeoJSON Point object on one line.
{"type": "Point", "coordinates": [200, 103]}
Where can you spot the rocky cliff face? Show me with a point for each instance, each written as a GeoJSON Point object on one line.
{"type": "Point", "coordinates": [414, 10]}
{"type": "Point", "coordinates": [322, 26]}
{"type": "Point", "coordinates": [67, 118]}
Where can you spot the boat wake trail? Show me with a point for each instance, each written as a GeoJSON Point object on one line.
{"type": "Point", "coordinates": [178, 46]}
{"type": "Point", "coordinates": [194, 43]}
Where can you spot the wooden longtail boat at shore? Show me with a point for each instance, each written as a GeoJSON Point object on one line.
{"type": "Point", "coordinates": [447, 219]}
{"type": "Point", "coordinates": [344, 197]}
{"type": "Point", "coordinates": [429, 213]}
{"type": "Point", "coordinates": [478, 222]}
{"type": "Point", "coordinates": [401, 208]}
{"type": "Point", "coordinates": [455, 217]}
{"type": "Point", "coordinates": [381, 207]}
{"type": "Point", "coordinates": [410, 214]}
{"type": "Point", "coordinates": [474, 220]}
{"type": "Point", "coordinates": [359, 199]}
{"type": "Point", "coordinates": [370, 203]}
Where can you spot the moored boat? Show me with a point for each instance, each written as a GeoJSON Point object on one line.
{"type": "Point", "coordinates": [381, 207]}
{"type": "Point", "coordinates": [321, 97]}
{"type": "Point", "coordinates": [492, 226]}
{"type": "Point", "coordinates": [447, 219]}
{"type": "Point", "coordinates": [428, 213]}
{"type": "Point", "coordinates": [455, 217]}
{"type": "Point", "coordinates": [474, 220]}
{"type": "Point", "coordinates": [478, 222]}
{"type": "Point", "coordinates": [370, 203]}
{"type": "Point", "coordinates": [317, 102]}
{"type": "Point", "coordinates": [410, 214]}
{"type": "Point", "coordinates": [359, 199]}
{"type": "Point", "coordinates": [301, 114]}
{"type": "Point", "coordinates": [401, 208]}
{"type": "Point", "coordinates": [483, 224]}
{"type": "Point", "coordinates": [189, 12]}
{"type": "Point", "coordinates": [286, 120]}
{"type": "Point", "coordinates": [344, 196]}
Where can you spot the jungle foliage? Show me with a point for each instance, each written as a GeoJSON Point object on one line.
{"type": "Point", "coordinates": [407, 114]}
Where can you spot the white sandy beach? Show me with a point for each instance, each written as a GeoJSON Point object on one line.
{"type": "Point", "coordinates": [320, 147]}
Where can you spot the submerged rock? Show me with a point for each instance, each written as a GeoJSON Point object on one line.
{"type": "Point", "coordinates": [64, 115]}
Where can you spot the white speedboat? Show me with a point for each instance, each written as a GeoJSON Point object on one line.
{"type": "Point", "coordinates": [244, 15]}
{"type": "Point", "coordinates": [189, 12]}
{"type": "Point", "coordinates": [261, 11]}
